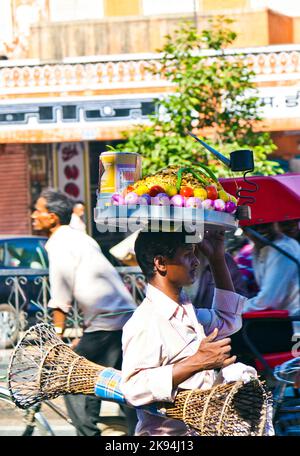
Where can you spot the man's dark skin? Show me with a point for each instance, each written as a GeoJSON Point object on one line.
{"type": "Point", "coordinates": [290, 228]}
{"type": "Point", "coordinates": [171, 275]}
{"type": "Point", "coordinates": [268, 230]}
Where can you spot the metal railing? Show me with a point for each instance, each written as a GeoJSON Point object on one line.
{"type": "Point", "coordinates": [25, 296]}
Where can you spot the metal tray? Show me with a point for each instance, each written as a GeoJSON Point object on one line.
{"type": "Point", "coordinates": [163, 218]}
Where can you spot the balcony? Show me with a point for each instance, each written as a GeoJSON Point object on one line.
{"type": "Point", "coordinates": [89, 75]}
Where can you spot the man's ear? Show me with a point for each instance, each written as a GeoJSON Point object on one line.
{"type": "Point", "coordinates": [54, 219]}
{"type": "Point", "coordinates": [160, 264]}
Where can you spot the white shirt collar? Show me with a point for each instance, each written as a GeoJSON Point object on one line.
{"type": "Point", "coordinates": [60, 232]}
{"type": "Point", "coordinates": [164, 305]}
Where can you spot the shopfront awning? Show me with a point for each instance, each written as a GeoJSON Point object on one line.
{"type": "Point", "coordinates": [66, 133]}
{"type": "Point", "coordinates": [276, 199]}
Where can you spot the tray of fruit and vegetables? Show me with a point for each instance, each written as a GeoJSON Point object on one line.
{"type": "Point", "coordinates": [175, 194]}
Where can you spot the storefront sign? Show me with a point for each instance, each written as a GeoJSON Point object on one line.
{"type": "Point", "coordinates": [280, 102]}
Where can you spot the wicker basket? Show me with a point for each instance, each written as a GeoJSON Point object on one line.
{"type": "Point", "coordinates": [43, 367]}
{"type": "Point", "coordinates": [235, 409]}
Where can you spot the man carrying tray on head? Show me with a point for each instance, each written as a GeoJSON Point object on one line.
{"type": "Point", "coordinates": [167, 343]}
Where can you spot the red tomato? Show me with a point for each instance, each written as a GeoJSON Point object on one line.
{"type": "Point", "coordinates": [212, 192]}
{"type": "Point", "coordinates": [155, 190]}
{"type": "Point", "coordinates": [186, 191]}
{"type": "Point", "coordinates": [129, 189]}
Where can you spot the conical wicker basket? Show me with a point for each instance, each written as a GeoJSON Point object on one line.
{"type": "Point", "coordinates": [43, 367]}
{"type": "Point", "coordinates": [235, 409]}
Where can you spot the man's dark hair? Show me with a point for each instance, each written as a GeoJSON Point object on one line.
{"type": "Point", "coordinates": [269, 230]}
{"type": "Point", "coordinates": [58, 203]}
{"type": "Point", "coordinates": [149, 245]}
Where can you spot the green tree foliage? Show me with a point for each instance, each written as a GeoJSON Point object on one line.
{"type": "Point", "coordinates": [213, 92]}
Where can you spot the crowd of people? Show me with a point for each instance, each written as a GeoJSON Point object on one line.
{"type": "Point", "coordinates": [178, 337]}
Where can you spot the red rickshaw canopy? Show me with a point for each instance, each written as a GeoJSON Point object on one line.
{"type": "Point", "coordinates": [276, 199]}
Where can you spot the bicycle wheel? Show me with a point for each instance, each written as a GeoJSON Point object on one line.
{"type": "Point", "coordinates": [17, 422]}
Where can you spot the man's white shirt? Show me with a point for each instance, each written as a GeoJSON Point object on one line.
{"type": "Point", "coordinates": [79, 270]}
